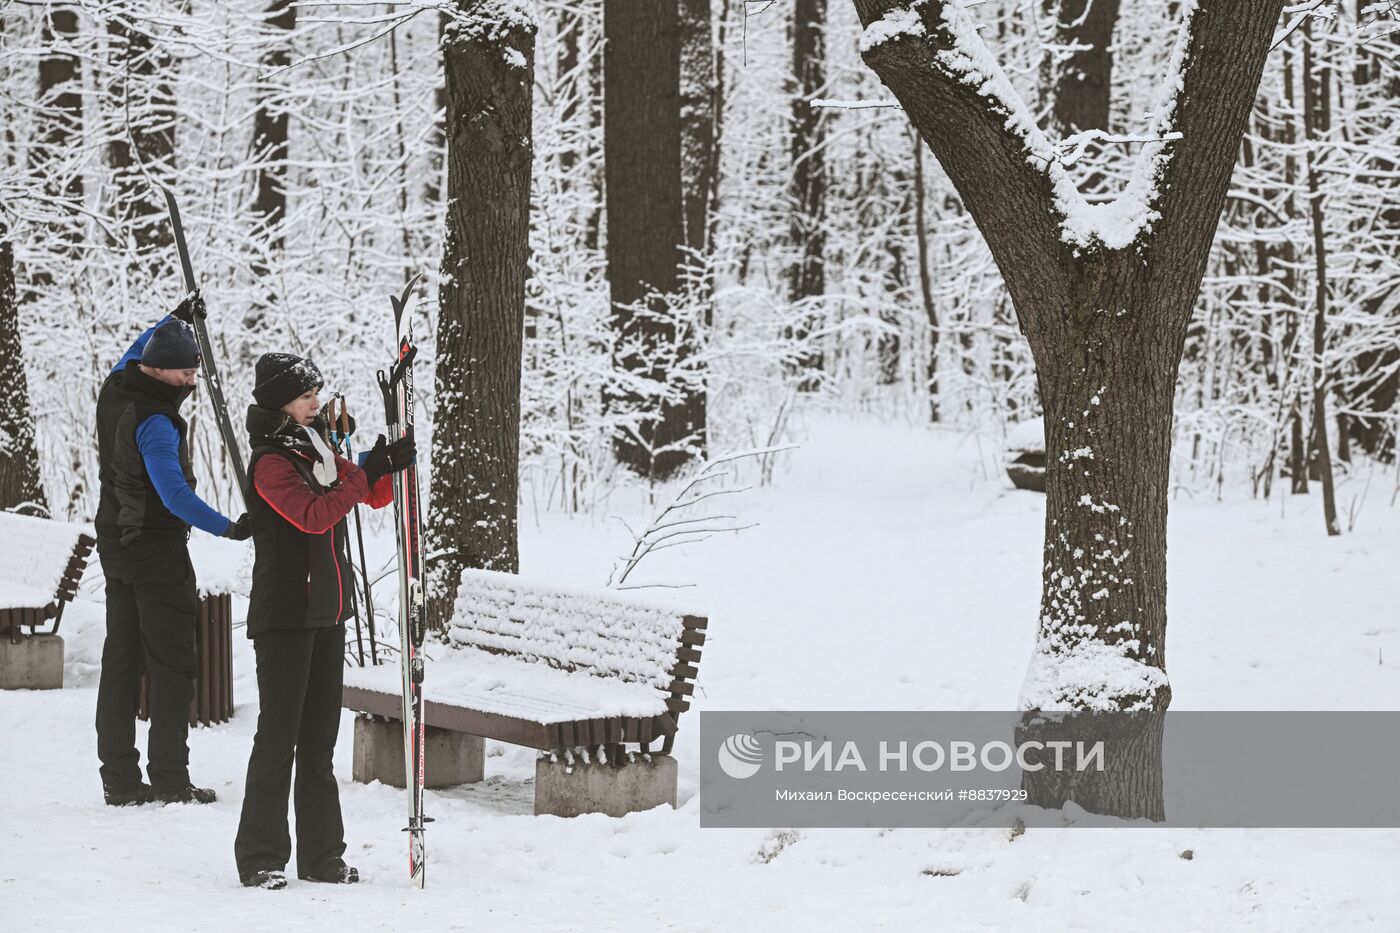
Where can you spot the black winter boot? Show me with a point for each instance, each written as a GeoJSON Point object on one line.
{"type": "Point", "coordinates": [270, 880]}
{"type": "Point", "coordinates": [132, 796]}
{"type": "Point", "coordinates": [187, 794]}
{"type": "Point", "coordinates": [333, 872]}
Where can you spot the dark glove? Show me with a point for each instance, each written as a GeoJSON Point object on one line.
{"type": "Point", "coordinates": [385, 458]}
{"type": "Point", "coordinates": [240, 530]}
{"type": "Point", "coordinates": [185, 310]}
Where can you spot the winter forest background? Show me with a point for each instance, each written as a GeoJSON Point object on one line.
{"type": "Point", "coordinates": [307, 144]}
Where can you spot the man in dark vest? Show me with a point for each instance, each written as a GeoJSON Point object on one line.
{"type": "Point", "coordinates": [147, 507]}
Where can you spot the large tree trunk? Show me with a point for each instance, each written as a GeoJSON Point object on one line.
{"type": "Point", "coordinates": [1105, 309]}
{"type": "Point", "coordinates": [661, 401]}
{"type": "Point", "coordinates": [20, 489]}
{"type": "Point", "coordinates": [489, 61]}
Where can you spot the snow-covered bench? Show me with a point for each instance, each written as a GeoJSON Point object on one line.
{"type": "Point", "coordinates": [41, 563]}
{"type": "Point", "coordinates": [590, 677]}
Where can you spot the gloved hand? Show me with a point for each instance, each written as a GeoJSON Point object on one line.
{"type": "Point", "coordinates": [185, 310]}
{"type": "Point", "coordinates": [385, 458]}
{"type": "Point", "coordinates": [240, 529]}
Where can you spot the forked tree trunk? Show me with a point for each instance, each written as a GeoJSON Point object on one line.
{"type": "Point", "coordinates": [1105, 309]}
{"type": "Point", "coordinates": [488, 55]}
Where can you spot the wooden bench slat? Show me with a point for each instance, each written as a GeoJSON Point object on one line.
{"type": "Point", "coordinates": [457, 719]}
{"type": "Point", "coordinates": [685, 671]}
{"type": "Point", "coordinates": [683, 686]}
{"type": "Point", "coordinates": [677, 705]}
{"type": "Point", "coordinates": [693, 637]}
{"type": "Point", "coordinates": [695, 622]}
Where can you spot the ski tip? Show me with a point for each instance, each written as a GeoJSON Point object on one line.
{"type": "Point", "coordinates": [400, 302]}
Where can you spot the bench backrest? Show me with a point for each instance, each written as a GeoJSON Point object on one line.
{"type": "Point", "coordinates": [41, 564]}
{"type": "Point", "coordinates": [598, 632]}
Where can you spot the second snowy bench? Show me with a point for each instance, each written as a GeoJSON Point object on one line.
{"type": "Point", "coordinates": [41, 563]}
{"type": "Point", "coordinates": [592, 678]}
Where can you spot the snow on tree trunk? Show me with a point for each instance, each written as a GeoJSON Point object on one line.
{"type": "Point", "coordinates": [1104, 294]}
{"type": "Point", "coordinates": [662, 404]}
{"type": "Point", "coordinates": [488, 54]}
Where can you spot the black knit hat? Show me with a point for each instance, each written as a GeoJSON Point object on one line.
{"type": "Point", "coordinates": [281, 377]}
{"type": "Point", "coordinates": [172, 346]}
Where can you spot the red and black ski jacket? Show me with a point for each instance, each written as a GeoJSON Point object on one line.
{"type": "Point", "coordinates": [301, 568]}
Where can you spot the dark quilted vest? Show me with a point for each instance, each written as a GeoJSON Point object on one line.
{"type": "Point", "coordinates": [129, 505]}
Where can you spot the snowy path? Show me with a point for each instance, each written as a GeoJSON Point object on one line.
{"type": "Point", "coordinates": [887, 572]}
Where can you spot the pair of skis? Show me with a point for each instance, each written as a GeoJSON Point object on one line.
{"type": "Point", "coordinates": [397, 389]}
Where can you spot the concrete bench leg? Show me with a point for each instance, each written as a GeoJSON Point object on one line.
{"type": "Point", "coordinates": [451, 757]}
{"type": "Point", "coordinates": [35, 662]}
{"type": "Point", "coordinates": [565, 790]}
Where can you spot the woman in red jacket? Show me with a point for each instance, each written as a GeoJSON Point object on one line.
{"type": "Point", "coordinates": [300, 493]}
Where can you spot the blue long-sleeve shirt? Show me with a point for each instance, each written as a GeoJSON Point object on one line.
{"type": "Point", "coordinates": [159, 443]}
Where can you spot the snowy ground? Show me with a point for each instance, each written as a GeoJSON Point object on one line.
{"type": "Point", "coordinates": [892, 569]}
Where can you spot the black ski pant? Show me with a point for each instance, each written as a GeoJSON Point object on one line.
{"type": "Point", "coordinates": [300, 673]}
{"type": "Point", "coordinates": [151, 611]}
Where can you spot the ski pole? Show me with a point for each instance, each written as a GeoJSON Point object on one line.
{"type": "Point", "coordinates": [338, 429]}
{"type": "Point", "coordinates": [364, 565]}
